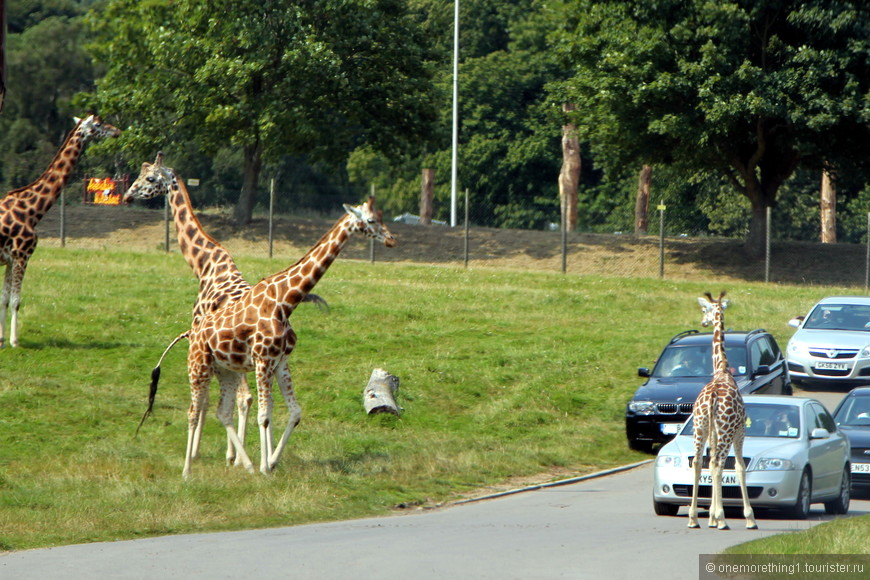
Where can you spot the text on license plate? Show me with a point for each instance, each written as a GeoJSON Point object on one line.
{"type": "Point", "coordinates": [832, 366]}
{"type": "Point", "coordinates": [861, 468]}
{"type": "Point", "coordinates": [727, 479]}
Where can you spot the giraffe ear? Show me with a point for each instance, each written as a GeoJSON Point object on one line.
{"type": "Point", "coordinates": [724, 304]}
{"type": "Point", "coordinates": [704, 302]}
{"type": "Point", "coordinates": [353, 211]}
{"type": "Point", "coordinates": [77, 120]}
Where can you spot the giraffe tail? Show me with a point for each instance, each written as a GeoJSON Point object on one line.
{"type": "Point", "coordinates": [155, 378]}
{"type": "Point", "coordinates": [317, 300]}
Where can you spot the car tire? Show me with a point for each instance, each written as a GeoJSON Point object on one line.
{"type": "Point", "coordinates": [665, 509]}
{"type": "Point", "coordinates": [801, 508]}
{"type": "Point", "coordinates": [841, 504]}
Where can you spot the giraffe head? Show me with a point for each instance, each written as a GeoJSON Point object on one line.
{"type": "Point", "coordinates": [371, 222]}
{"type": "Point", "coordinates": [711, 307]}
{"type": "Point", "coordinates": [154, 180]}
{"type": "Point", "coordinates": [93, 127]}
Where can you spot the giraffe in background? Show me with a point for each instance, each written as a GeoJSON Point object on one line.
{"type": "Point", "coordinates": [21, 209]}
{"type": "Point", "coordinates": [720, 420]}
{"type": "Point", "coordinates": [254, 334]}
{"type": "Point", "coordinates": [220, 281]}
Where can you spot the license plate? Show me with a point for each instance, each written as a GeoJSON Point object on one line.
{"type": "Point", "coordinates": [832, 366]}
{"type": "Point", "coordinates": [669, 428]}
{"type": "Point", "coordinates": [861, 468]}
{"type": "Point", "coordinates": [727, 479]}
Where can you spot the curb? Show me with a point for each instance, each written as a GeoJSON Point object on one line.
{"type": "Point", "coordinates": [561, 482]}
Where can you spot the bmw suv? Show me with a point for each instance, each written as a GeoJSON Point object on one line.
{"type": "Point", "coordinates": [684, 367]}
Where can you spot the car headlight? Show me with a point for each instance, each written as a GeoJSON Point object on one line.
{"type": "Point", "coordinates": [795, 347]}
{"type": "Point", "coordinates": [669, 461]}
{"type": "Point", "coordinates": [774, 464]}
{"type": "Point", "coordinates": [865, 352]}
{"type": "Point", "coordinates": [642, 407]}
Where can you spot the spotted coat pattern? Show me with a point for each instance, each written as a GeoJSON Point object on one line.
{"type": "Point", "coordinates": [21, 209]}
{"type": "Point", "coordinates": [719, 418]}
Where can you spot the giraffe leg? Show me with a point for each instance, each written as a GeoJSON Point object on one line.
{"type": "Point", "coordinates": [265, 374]}
{"type": "Point", "coordinates": [243, 403]}
{"type": "Point", "coordinates": [285, 382]}
{"type": "Point", "coordinates": [11, 299]}
{"type": "Point", "coordinates": [718, 454]}
{"type": "Point", "coordinates": [198, 386]}
{"type": "Point", "coordinates": [4, 302]}
{"type": "Point", "coordinates": [200, 423]}
{"type": "Point", "coordinates": [748, 514]}
{"type": "Point", "coordinates": [697, 464]}
{"type": "Point", "coordinates": [229, 382]}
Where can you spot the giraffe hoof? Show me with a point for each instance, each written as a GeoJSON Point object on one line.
{"type": "Point", "coordinates": [751, 526]}
{"type": "Point", "coordinates": [724, 527]}
{"type": "Point", "coordinates": [694, 526]}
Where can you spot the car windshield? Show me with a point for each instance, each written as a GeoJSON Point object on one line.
{"type": "Point", "coordinates": [839, 317]}
{"type": "Point", "coordinates": [696, 361]}
{"type": "Point", "coordinates": [766, 420]}
{"type": "Point", "coordinates": [855, 412]}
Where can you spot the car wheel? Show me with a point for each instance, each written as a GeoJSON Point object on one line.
{"type": "Point", "coordinates": [841, 504]}
{"type": "Point", "coordinates": [801, 508]}
{"type": "Point", "coordinates": [665, 509]}
{"type": "Point", "coordinates": [788, 389]}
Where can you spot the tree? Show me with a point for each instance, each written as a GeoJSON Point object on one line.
{"type": "Point", "coordinates": [314, 78]}
{"type": "Point", "coordinates": [749, 90]}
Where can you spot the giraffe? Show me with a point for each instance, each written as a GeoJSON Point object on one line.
{"type": "Point", "coordinates": [220, 281]}
{"type": "Point", "coordinates": [254, 334]}
{"type": "Point", "coordinates": [21, 209]}
{"type": "Point", "coordinates": [720, 420]}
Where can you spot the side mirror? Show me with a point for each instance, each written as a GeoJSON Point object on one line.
{"type": "Point", "coordinates": [643, 372]}
{"type": "Point", "coordinates": [819, 433]}
{"type": "Point", "coordinates": [762, 370]}
{"type": "Point", "coordinates": [796, 321]}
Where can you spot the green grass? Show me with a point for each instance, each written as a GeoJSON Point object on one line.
{"type": "Point", "coordinates": [841, 536]}
{"type": "Point", "coordinates": [503, 374]}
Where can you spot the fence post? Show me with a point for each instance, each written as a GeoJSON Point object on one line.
{"type": "Point", "coordinates": [62, 218]}
{"type": "Point", "coordinates": [166, 223]}
{"type": "Point", "coordinates": [271, 213]}
{"type": "Point", "coordinates": [867, 261]}
{"type": "Point", "coordinates": [372, 240]}
{"type": "Point", "coordinates": [465, 240]}
{"type": "Point", "coordinates": [661, 209]}
{"type": "Point", "coordinates": [564, 232]}
{"type": "Point", "coordinates": [767, 246]}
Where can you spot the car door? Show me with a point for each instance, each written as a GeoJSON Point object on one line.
{"type": "Point", "coordinates": [763, 352]}
{"type": "Point", "coordinates": [825, 455]}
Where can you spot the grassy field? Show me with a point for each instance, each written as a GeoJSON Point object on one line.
{"type": "Point", "coordinates": [503, 374]}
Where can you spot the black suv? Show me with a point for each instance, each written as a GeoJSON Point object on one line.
{"type": "Point", "coordinates": [665, 400]}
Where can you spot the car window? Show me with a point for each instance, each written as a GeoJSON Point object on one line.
{"type": "Point", "coordinates": [764, 420]}
{"type": "Point", "coordinates": [821, 418]}
{"type": "Point", "coordinates": [839, 317]}
{"type": "Point", "coordinates": [854, 412]}
{"type": "Point", "coordinates": [696, 361]}
{"type": "Point", "coordinates": [762, 353]}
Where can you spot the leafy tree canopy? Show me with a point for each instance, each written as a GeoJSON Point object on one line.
{"type": "Point", "coordinates": [751, 89]}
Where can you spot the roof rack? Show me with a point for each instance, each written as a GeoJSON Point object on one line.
{"type": "Point", "coordinates": [680, 335]}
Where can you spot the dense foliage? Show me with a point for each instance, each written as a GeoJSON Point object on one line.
{"type": "Point", "coordinates": [736, 104]}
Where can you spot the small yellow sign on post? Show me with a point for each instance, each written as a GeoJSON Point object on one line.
{"type": "Point", "coordinates": [661, 207]}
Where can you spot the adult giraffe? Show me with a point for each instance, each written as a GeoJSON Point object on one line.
{"type": "Point", "coordinates": [254, 334]}
{"type": "Point", "coordinates": [21, 209]}
{"type": "Point", "coordinates": [220, 281]}
{"type": "Point", "coordinates": [719, 418]}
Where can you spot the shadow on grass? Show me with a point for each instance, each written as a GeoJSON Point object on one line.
{"type": "Point", "coordinates": [70, 345]}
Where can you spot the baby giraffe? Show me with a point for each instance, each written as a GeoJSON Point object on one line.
{"type": "Point", "coordinates": [253, 333]}
{"type": "Point", "coordinates": [719, 417]}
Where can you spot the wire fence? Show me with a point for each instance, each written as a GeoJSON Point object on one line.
{"type": "Point", "coordinates": [669, 250]}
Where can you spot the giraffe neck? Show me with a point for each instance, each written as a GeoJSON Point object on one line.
{"type": "Point", "coordinates": [720, 361]}
{"type": "Point", "coordinates": [39, 196]}
{"type": "Point", "coordinates": [297, 281]}
{"type": "Point", "coordinates": [199, 249]}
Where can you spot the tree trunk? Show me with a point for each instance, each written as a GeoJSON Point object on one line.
{"type": "Point", "coordinates": [828, 209]}
{"type": "Point", "coordinates": [2, 52]}
{"type": "Point", "coordinates": [569, 176]}
{"type": "Point", "coordinates": [248, 197]}
{"type": "Point", "coordinates": [427, 192]}
{"type": "Point", "coordinates": [641, 206]}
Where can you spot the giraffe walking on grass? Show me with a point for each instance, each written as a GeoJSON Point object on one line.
{"type": "Point", "coordinates": [22, 209]}
{"type": "Point", "coordinates": [719, 417]}
{"type": "Point", "coordinates": [254, 334]}
{"type": "Point", "coordinates": [220, 281]}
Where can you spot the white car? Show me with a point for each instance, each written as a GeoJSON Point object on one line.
{"type": "Point", "coordinates": [832, 343]}
{"type": "Point", "coordinates": [794, 454]}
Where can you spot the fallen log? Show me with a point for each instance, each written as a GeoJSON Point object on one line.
{"type": "Point", "coordinates": [379, 394]}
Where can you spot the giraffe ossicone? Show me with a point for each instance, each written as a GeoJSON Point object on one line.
{"type": "Point", "coordinates": [21, 210]}
{"type": "Point", "coordinates": [719, 418]}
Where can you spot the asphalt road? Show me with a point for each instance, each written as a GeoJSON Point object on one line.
{"type": "Point", "coordinates": [603, 527]}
